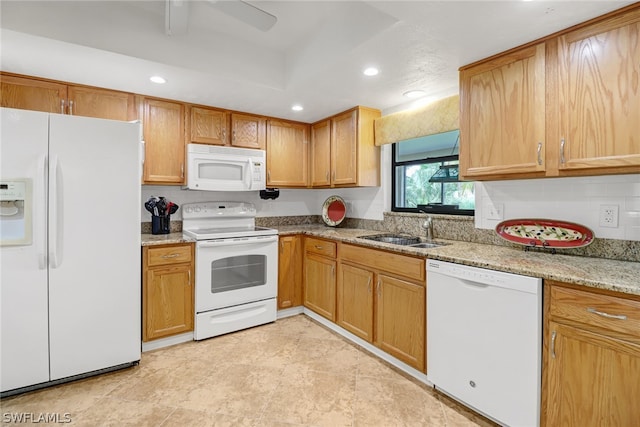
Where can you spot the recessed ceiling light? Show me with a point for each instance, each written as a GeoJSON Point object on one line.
{"type": "Point", "coordinates": [158, 79]}
{"type": "Point", "coordinates": [414, 93]}
{"type": "Point", "coordinates": [297, 107]}
{"type": "Point", "coordinates": [371, 71]}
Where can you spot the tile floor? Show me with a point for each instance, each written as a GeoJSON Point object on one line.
{"type": "Point", "coordinates": [293, 372]}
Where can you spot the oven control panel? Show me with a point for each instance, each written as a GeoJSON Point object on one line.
{"type": "Point", "coordinates": [218, 210]}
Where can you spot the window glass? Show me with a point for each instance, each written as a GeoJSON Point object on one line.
{"type": "Point", "coordinates": [425, 172]}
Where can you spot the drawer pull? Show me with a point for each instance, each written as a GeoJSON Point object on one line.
{"type": "Point", "coordinates": [553, 344]}
{"type": "Point", "coordinates": [171, 256]}
{"type": "Point", "coordinates": [607, 315]}
{"type": "Point", "coordinates": [318, 247]}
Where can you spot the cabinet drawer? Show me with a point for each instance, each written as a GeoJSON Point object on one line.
{"type": "Point", "coordinates": [163, 255]}
{"type": "Point", "coordinates": [319, 246]}
{"type": "Point", "coordinates": [602, 311]}
{"type": "Point", "coordinates": [401, 265]}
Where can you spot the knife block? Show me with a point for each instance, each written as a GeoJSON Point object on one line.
{"type": "Point", "coordinates": [160, 224]}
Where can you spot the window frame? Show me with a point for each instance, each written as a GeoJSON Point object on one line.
{"type": "Point", "coordinates": [394, 187]}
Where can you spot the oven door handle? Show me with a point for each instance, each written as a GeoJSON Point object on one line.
{"type": "Point", "coordinates": [237, 242]}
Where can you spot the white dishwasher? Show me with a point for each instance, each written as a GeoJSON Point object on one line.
{"type": "Point", "coordinates": [484, 334]}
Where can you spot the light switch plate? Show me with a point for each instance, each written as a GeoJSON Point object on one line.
{"type": "Point", "coordinates": [494, 211]}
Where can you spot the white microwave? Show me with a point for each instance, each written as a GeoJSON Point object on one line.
{"type": "Point", "coordinates": [214, 168]}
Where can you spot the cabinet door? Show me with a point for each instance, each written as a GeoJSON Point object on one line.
{"type": "Point", "coordinates": [600, 95]}
{"type": "Point", "coordinates": [355, 301]}
{"type": "Point", "coordinates": [167, 302]}
{"type": "Point", "coordinates": [101, 103]}
{"type": "Point", "coordinates": [287, 155]}
{"type": "Point", "coordinates": [592, 379]}
{"type": "Point", "coordinates": [502, 123]}
{"type": "Point", "coordinates": [321, 154]}
{"type": "Point", "coordinates": [400, 313]}
{"type": "Point", "coordinates": [208, 126]}
{"type": "Point", "coordinates": [163, 124]}
{"type": "Point", "coordinates": [290, 272]}
{"type": "Point", "coordinates": [32, 94]}
{"type": "Point", "coordinates": [320, 285]}
{"type": "Point", "coordinates": [344, 148]}
{"type": "Point", "coordinates": [248, 131]}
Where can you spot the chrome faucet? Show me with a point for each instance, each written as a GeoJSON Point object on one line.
{"type": "Point", "coordinates": [428, 225]}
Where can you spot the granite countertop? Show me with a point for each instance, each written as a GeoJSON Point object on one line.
{"type": "Point", "coordinates": [602, 273]}
{"type": "Point", "coordinates": [164, 239]}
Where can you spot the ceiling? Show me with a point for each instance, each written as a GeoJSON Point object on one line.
{"type": "Point", "coordinates": [314, 55]}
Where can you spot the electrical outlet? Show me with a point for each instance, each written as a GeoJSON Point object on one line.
{"type": "Point", "coordinates": [609, 216]}
{"type": "Point", "coordinates": [494, 211]}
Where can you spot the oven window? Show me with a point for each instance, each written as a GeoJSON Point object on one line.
{"type": "Point", "coordinates": [238, 272]}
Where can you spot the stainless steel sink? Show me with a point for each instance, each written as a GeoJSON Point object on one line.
{"type": "Point", "coordinates": [399, 239]}
{"type": "Point", "coordinates": [396, 239]}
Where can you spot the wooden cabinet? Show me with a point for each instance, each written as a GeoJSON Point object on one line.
{"type": "Point", "coordinates": [208, 126]}
{"type": "Point", "coordinates": [592, 358]}
{"type": "Point", "coordinates": [502, 127]}
{"type": "Point", "coordinates": [564, 105]}
{"type": "Point", "coordinates": [163, 124]}
{"type": "Point", "coordinates": [53, 97]}
{"type": "Point", "coordinates": [290, 272]}
{"type": "Point", "coordinates": [382, 299]}
{"type": "Point", "coordinates": [320, 276]}
{"type": "Point", "coordinates": [167, 290]}
{"type": "Point", "coordinates": [343, 150]}
{"type": "Point", "coordinates": [599, 95]}
{"type": "Point", "coordinates": [287, 156]}
{"type": "Point", "coordinates": [248, 131]}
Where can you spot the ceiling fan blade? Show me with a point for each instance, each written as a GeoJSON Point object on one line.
{"type": "Point", "coordinates": [176, 17]}
{"type": "Point", "coordinates": [247, 13]}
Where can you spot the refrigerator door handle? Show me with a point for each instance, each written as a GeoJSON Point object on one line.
{"type": "Point", "coordinates": [56, 222]}
{"type": "Point", "coordinates": [41, 213]}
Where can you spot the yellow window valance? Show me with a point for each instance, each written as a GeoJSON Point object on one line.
{"type": "Point", "coordinates": [437, 117]}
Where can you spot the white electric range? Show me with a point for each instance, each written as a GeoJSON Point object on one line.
{"type": "Point", "coordinates": [236, 281]}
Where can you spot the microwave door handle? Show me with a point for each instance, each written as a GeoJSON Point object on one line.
{"type": "Point", "coordinates": [250, 169]}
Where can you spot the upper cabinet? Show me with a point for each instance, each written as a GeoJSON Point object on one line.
{"type": "Point", "coordinates": [343, 150]}
{"type": "Point", "coordinates": [248, 131]}
{"type": "Point", "coordinates": [209, 126]}
{"type": "Point", "coordinates": [287, 155]}
{"type": "Point", "coordinates": [502, 126]}
{"type": "Point", "coordinates": [564, 106]}
{"type": "Point", "coordinates": [52, 97]}
{"type": "Point", "coordinates": [163, 123]}
{"type": "Point", "coordinates": [599, 95]}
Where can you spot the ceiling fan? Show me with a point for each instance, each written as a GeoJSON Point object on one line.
{"type": "Point", "coordinates": [177, 14]}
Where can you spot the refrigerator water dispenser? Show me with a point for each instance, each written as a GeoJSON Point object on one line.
{"type": "Point", "coordinates": [15, 212]}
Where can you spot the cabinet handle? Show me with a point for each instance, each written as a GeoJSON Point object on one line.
{"type": "Point", "coordinates": [327, 176]}
{"type": "Point", "coordinates": [234, 135]}
{"type": "Point", "coordinates": [378, 288]}
{"type": "Point", "coordinates": [71, 107]}
{"type": "Point", "coordinates": [607, 315]}
{"type": "Point", "coordinates": [334, 176]}
{"type": "Point", "coordinates": [539, 153]}
{"type": "Point", "coordinates": [224, 136]}
{"type": "Point", "coordinates": [269, 175]}
{"type": "Point", "coordinates": [189, 277]}
{"type": "Point", "coordinates": [562, 151]}
{"type": "Point", "coordinates": [171, 256]}
{"type": "Point", "coordinates": [182, 170]}
{"type": "Point", "coordinates": [369, 285]}
{"type": "Point", "coordinates": [62, 106]}
{"type": "Point", "coordinates": [333, 269]}
{"type": "Point", "coordinates": [553, 344]}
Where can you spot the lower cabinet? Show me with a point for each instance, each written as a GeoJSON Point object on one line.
{"type": "Point", "coordinates": [381, 299]}
{"type": "Point", "coordinates": [320, 277]}
{"type": "Point", "coordinates": [592, 359]}
{"type": "Point", "coordinates": [290, 272]}
{"type": "Point", "coordinates": [167, 290]}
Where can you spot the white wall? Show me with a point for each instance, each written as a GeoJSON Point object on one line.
{"type": "Point", "coordinates": [570, 199]}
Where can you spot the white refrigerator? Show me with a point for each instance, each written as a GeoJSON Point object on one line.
{"type": "Point", "coordinates": [69, 247]}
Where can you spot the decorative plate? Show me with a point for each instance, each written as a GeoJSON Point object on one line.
{"type": "Point", "coordinates": [545, 232]}
{"type": "Point", "coordinates": [333, 211]}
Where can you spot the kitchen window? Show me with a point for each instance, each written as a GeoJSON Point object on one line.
{"type": "Point", "coordinates": [425, 175]}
